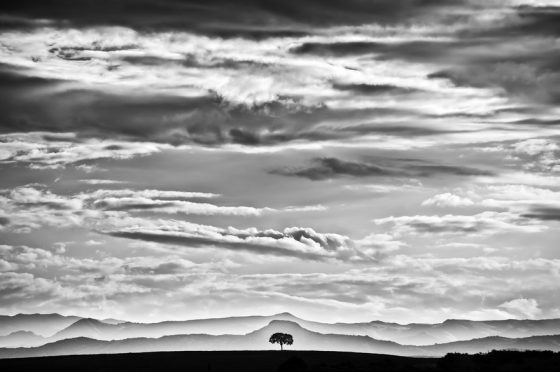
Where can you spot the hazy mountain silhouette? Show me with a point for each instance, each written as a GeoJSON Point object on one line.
{"type": "Point", "coordinates": [447, 331]}
{"type": "Point", "coordinates": [41, 324]}
{"type": "Point", "coordinates": [87, 327]}
{"type": "Point", "coordinates": [101, 330]}
{"type": "Point", "coordinates": [258, 340]}
{"type": "Point", "coordinates": [414, 334]}
{"type": "Point", "coordinates": [21, 339]}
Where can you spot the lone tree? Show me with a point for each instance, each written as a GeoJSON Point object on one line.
{"type": "Point", "coordinates": [282, 339]}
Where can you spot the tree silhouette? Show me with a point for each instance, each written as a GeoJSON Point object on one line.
{"type": "Point", "coordinates": [282, 339]}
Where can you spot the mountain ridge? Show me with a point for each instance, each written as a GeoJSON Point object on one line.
{"type": "Point", "coordinates": [258, 340]}
{"type": "Point", "coordinates": [414, 334]}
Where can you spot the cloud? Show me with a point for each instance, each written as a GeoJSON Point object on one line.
{"type": "Point", "coordinates": [16, 288]}
{"type": "Point", "coordinates": [88, 282]}
{"type": "Point", "coordinates": [234, 105]}
{"type": "Point", "coordinates": [38, 195]}
{"type": "Point", "coordinates": [525, 71]}
{"type": "Point", "coordinates": [544, 213]}
{"type": "Point", "coordinates": [536, 146]}
{"type": "Point", "coordinates": [327, 168]}
{"type": "Point", "coordinates": [176, 202]}
{"type": "Point", "coordinates": [222, 18]}
{"type": "Point", "coordinates": [93, 242]}
{"type": "Point", "coordinates": [34, 206]}
{"type": "Point", "coordinates": [442, 103]}
{"type": "Point", "coordinates": [539, 18]}
{"type": "Point", "coordinates": [430, 49]}
{"type": "Point", "coordinates": [337, 48]}
{"type": "Point", "coordinates": [479, 224]}
{"type": "Point", "coordinates": [373, 89]}
{"type": "Point", "coordinates": [213, 91]}
{"type": "Point", "coordinates": [40, 261]}
{"type": "Point", "coordinates": [42, 152]}
{"type": "Point", "coordinates": [93, 181]}
{"type": "Point", "coordinates": [524, 307]}
{"type": "Point", "coordinates": [23, 257]}
{"type": "Point", "coordinates": [448, 200]}
{"type": "Point", "coordinates": [303, 243]}
{"type": "Point", "coordinates": [175, 207]}
{"type": "Point", "coordinates": [60, 247]}
{"type": "Point", "coordinates": [528, 202]}
{"type": "Point", "coordinates": [148, 194]}
{"type": "Point", "coordinates": [4, 221]}
{"type": "Point", "coordinates": [538, 153]}
{"type": "Point", "coordinates": [462, 285]}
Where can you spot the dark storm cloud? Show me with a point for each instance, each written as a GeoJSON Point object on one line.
{"type": "Point", "coordinates": [20, 108]}
{"type": "Point", "coordinates": [252, 33]}
{"type": "Point", "coordinates": [252, 18]}
{"type": "Point", "coordinates": [529, 69]}
{"type": "Point", "coordinates": [211, 120]}
{"type": "Point", "coordinates": [328, 168]}
{"type": "Point", "coordinates": [544, 213]}
{"type": "Point", "coordinates": [372, 89]}
{"type": "Point", "coordinates": [168, 119]}
{"type": "Point", "coordinates": [8, 22]}
{"type": "Point", "coordinates": [325, 168]}
{"type": "Point", "coordinates": [416, 50]}
{"type": "Point", "coordinates": [482, 58]}
{"type": "Point", "coordinates": [36, 104]}
{"type": "Point", "coordinates": [30, 104]}
{"type": "Point", "coordinates": [525, 80]}
{"type": "Point", "coordinates": [337, 48]}
{"type": "Point", "coordinates": [517, 57]}
{"type": "Point", "coordinates": [394, 130]}
{"type": "Point", "coordinates": [536, 20]}
{"type": "Point", "coordinates": [191, 61]}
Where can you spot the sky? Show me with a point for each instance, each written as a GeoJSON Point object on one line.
{"type": "Point", "coordinates": [343, 160]}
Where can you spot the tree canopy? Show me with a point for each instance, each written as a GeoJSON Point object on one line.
{"type": "Point", "coordinates": [282, 339]}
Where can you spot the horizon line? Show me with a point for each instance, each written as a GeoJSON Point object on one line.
{"type": "Point", "coordinates": [285, 313]}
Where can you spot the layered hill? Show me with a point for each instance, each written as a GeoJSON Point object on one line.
{"type": "Point", "coordinates": [21, 339]}
{"type": "Point", "coordinates": [53, 334]}
{"type": "Point", "coordinates": [304, 339]}
{"type": "Point", "coordinates": [41, 324]}
{"type": "Point", "coordinates": [414, 334]}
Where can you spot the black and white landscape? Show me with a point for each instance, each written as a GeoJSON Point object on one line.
{"type": "Point", "coordinates": [92, 336]}
{"type": "Point", "coordinates": [388, 171]}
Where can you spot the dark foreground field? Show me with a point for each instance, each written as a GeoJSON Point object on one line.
{"type": "Point", "coordinates": [263, 361]}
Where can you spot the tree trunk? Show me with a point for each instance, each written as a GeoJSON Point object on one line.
{"type": "Point", "coordinates": [281, 347]}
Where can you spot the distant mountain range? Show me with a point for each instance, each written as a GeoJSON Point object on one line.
{"type": "Point", "coordinates": [74, 335]}
{"type": "Point", "coordinates": [40, 324]}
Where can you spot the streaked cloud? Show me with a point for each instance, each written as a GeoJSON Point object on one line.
{"type": "Point", "coordinates": [482, 223]}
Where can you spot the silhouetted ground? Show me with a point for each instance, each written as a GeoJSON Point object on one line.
{"type": "Point", "coordinates": [293, 361]}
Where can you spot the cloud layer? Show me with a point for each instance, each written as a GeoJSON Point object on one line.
{"type": "Point", "coordinates": [341, 160]}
